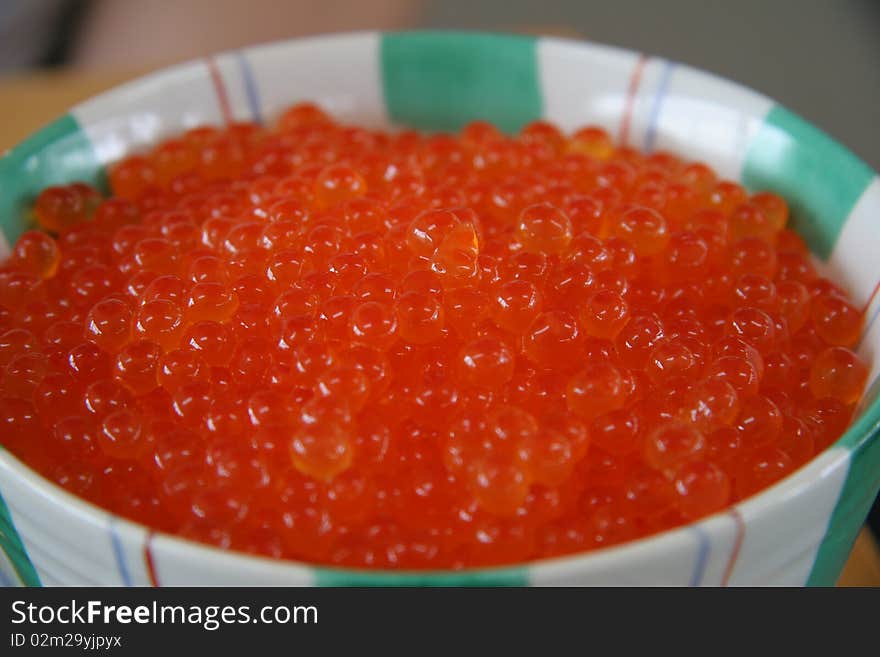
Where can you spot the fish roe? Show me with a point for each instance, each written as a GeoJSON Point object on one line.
{"type": "Point", "coordinates": [393, 350]}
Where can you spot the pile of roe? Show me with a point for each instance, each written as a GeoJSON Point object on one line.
{"type": "Point", "coordinates": [396, 350]}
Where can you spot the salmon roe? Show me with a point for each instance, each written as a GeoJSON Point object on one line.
{"type": "Point", "coordinates": [395, 350]}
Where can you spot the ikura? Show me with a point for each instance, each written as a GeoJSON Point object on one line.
{"type": "Point", "coordinates": [355, 348]}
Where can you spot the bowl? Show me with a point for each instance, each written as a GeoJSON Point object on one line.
{"type": "Point", "coordinates": [799, 531]}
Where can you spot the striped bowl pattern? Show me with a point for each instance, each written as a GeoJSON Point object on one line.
{"type": "Point", "coordinates": [798, 532]}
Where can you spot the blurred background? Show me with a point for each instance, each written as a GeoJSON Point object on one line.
{"type": "Point", "coordinates": [820, 58]}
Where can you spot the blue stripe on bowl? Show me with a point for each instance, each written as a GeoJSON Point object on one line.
{"type": "Point", "coordinates": [250, 87]}
{"type": "Point", "coordinates": [659, 96]}
{"type": "Point", "coordinates": [703, 549]}
{"type": "Point", "coordinates": [119, 553]}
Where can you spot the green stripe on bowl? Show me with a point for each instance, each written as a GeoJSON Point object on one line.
{"type": "Point", "coordinates": [856, 497]}
{"type": "Point", "coordinates": [821, 179]}
{"type": "Point", "coordinates": [489, 577]}
{"type": "Point", "coordinates": [442, 80]}
{"type": "Point", "coordinates": [11, 544]}
{"type": "Point", "coordinates": [58, 154]}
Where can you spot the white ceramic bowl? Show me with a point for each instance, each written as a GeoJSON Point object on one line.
{"type": "Point", "coordinates": [798, 532]}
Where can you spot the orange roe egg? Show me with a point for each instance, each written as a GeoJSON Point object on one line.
{"type": "Point", "coordinates": [321, 445]}
{"type": "Point", "coordinates": [355, 348]}
{"type": "Point", "coordinates": [135, 366]}
{"type": "Point", "coordinates": [336, 184]}
{"type": "Point", "coordinates": [593, 142]}
{"type": "Point", "coordinates": [37, 253]}
{"type": "Point", "coordinates": [543, 228]}
{"type": "Point", "coordinates": [702, 488]}
{"type": "Point", "coordinates": [121, 435]}
{"type": "Point", "coordinates": [486, 362]}
{"type": "Point", "coordinates": [23, 374]}
{"type": "Point", "coordinates": [515, 305]}
{"type": "Point", "coordinates": [553, 341]}
{"type": "Point", "coordinates": [108, 324]}
{"type": "Point", "coordinates": [16, 342]}
{"type": "Point", "coordinates": [836, 321]}
{"type": "Point", "coordinates": [419, 317]}
{"type": "Point", "coordinates": [643, 229]}
{"type": "Point", "coordinates": [774, 207]}
{"type": "Point", "coordinates": [672, 444]}
{"type": "Point", "coordinates": [604, 314]}
{"type": "Point", "coordinates": [59, 208]}
{"type": "Point", "coordinates": [837, 372]}
{"type": "Point", "coordinates": [160, 321]}
{"type": "Point", "coordinates": [596, 390]}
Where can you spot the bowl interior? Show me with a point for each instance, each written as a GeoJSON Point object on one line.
{"type": "Point", "coordinates": [440, 81]}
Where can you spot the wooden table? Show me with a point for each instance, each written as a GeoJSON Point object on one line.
{"type": "Point", "coordinates": [27, 102]}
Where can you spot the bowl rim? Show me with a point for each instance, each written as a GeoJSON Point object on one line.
{"type": "Point", "coordinates": [857, 436]}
